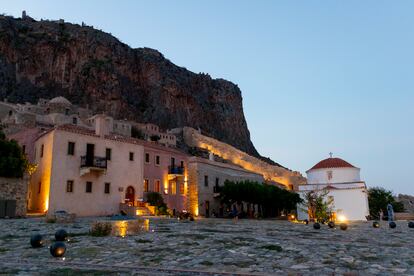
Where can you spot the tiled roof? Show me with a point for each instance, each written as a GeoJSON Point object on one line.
{"type": "Point", "coordinates": [332, 163]}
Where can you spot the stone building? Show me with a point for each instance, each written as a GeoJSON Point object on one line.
{"type": "Point", "coordinates": [150, 130]}
{"type": "Point", "coordinates": [13, 197]}
{"type": "Point", "coordinates": [205, 177]}
{"type": "Point", "coordinates": [342, 180]}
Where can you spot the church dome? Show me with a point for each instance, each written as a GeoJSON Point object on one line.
{"type": "Point", "coordinates": [60, 100]}
{"type": "Point", "coordinates": [330, 163]}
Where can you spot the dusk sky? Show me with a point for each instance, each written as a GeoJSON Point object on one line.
{"type": "Point", "coordinates": [316, 76]}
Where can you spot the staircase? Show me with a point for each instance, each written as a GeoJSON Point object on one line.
{"type": "Point", "coordinates": [141, 209]}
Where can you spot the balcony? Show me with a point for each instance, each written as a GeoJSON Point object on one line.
{"type": "Point", "coordinates": [92, 164]}
{"type": "Point", "coordinates": [175, 171]}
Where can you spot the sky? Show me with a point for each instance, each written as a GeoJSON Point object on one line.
{"type": "Point", "coordinates": [316, 76]}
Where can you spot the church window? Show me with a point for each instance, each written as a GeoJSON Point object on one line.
{"type": "Point", "coordinates": [329, 175]}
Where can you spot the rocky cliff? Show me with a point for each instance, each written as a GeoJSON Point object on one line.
{"type": "Point", "coordinates": [44, 59]}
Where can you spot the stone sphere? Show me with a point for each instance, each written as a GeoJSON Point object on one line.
{"type": "Point", "coordinates": [58, 249]}
{"type": "Point", "coordinates": [392, 224]}
{"type": "Point", "coordinates": [411, 224]}
{"type": "Point", "coordinates": [331, 224]}
{"type": "Point", "coordinates": [375, 224]}
{"type": "Point", "coordinates": [316, 225]}
{"type": "Point", "coordinates": [36, 240]}
{"type": "Point", "coordinates": [61, 235]}
{"type": "Point", "coordinates": [343, 226]}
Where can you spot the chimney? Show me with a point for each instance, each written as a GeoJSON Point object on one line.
{"type": "Point", "coordinates": [103, 125]}
{"type": "Point", "coordinates": [23, 14]}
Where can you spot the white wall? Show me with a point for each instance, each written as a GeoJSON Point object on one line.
{"type": "Point", "coordinates": [339, 175]}
{"type": "Point", "coordinates": [121, 173]}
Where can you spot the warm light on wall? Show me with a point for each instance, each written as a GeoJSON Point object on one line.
{"type": "Point", "coordinates": [342, 218]}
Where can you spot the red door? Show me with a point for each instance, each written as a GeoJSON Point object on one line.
{"type": "Point", "coordinates": [130, 195]}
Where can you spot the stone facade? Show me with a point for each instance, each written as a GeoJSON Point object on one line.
{"type": "Point", "coordinates": [15, 189]}
{"type": "Point", "coordinates": [204, 179]}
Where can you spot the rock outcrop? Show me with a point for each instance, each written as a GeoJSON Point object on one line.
{"type": "Point", "coordinates": [44, 59]}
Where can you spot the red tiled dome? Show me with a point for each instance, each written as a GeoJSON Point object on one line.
{"type": "Point", "coordinates": [332, 163]}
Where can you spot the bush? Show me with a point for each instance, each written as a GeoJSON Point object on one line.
{"type": "Point", "coordinates": [13, 163]}
{"type": "Point", "coordinates": [378, 199]}
{"type": "Point", "coordinates": [101, 229]}
{"type": "Point", "coordinates": [155, 199]}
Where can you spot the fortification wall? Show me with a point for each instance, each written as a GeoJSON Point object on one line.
{"type": "Point", "coordinates": [271, 173]}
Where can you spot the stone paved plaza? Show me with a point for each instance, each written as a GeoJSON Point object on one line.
{"type": "Point", "coordinates": [211, 247]}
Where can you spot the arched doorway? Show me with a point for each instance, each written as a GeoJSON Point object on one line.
{"type": "Point", "coordinates": [130, 195]}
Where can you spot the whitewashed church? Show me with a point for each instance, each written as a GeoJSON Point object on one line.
{"type": "Point", "coordinates": [345, 188]}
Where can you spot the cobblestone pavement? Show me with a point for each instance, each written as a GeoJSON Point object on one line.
{"type": "Point", "coordinates": [211, 247]}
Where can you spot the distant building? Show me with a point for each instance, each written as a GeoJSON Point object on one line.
{"type": "Point", "coordinates": [152, 132]}
{"type": "Point", "coordinates": [342, 181]}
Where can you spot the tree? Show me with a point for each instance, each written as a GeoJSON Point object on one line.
{"type": "Point", "coordinates": [318, 205]}
{"type": "Point", "coordinates": [271, 200]}
{"type": "Point", "coordinates": [13, 163]}
{"type": "Point", "coordinates": [378, 199]}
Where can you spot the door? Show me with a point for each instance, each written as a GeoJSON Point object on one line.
{"type": "Point", "coordinates": [90, 153]}
{"type": "Point", "coordinates": [207, 209]}
{"type": "Point", "coordinates": [130, 195]}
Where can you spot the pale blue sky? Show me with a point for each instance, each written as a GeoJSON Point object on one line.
{"type": "Point", "coordinates": [316, 76]}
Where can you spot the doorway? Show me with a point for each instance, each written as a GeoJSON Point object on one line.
{"type": "Point", "coordinates": [90, 153]}
{"type": "Point", "coordinates": [130, 195]}
{"type": "Point", "coordinates": [207, 204]}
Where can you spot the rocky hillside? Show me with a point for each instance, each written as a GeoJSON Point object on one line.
{"type": "Point", "coordinates": [44, 59]}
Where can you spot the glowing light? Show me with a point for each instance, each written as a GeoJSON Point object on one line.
{"type": "Point", "coordinates": [342, 218]}
{"type": "Point", "coordinates": [292, 216]}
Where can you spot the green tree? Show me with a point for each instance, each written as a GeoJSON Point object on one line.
{"type": "Point", "coordinates": [379, 198]}
{"type": "Point", "coordinates": [319, 205]}
{"type": "Point", "coordinates": [13, 163]}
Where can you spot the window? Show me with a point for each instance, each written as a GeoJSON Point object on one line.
{"type": "Point", "coordinates": [71, 148]}
{"type": "Point", "coordinates": [89, 187]}
{"type": "Point", "coordinates": [41, 150]}
{"type": "Point", "coordinates": [39, 188]}
{"type": "Point", "coordinates": [67, 111]}
{"type": "Point", "coordinates": [24, 149]}
{"type": "Point", "coordinates": [108, 153]}
{"type": "Point", "coordinates": [217, 181]}
{"type": "Point", "coordinates": [172, 161]}
{"type": "Point", "coordinates": [173, 187]}
{"type": "Point", "coordinates": [182, 190]}
{"type": "Point", "coordinates": [157, 186]}
{"type": "Point", "coordinates": [182, 164]}
{"type": "Point", "coordinates": [10, 112]}
{"type": "Point", "coordinates": [329, 175]}
{"type": "Point", "coordinates": [146, 185]}
{"type": "Point", "coordinates": [157, 160]}
{"type": "Point", "coordinates": [74, 120]}
{"type": "Point", "coordinates": [131, 156]}
{"type": "Point", "coordinates": [107, 187]}
{"type": "Point", "coordinates": [147, 158]}
{"type": "Point", "coordinates": [206, 180]}
{"type": "Point", "coordinates": [69, 186]}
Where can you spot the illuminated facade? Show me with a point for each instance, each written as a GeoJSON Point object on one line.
{"type": "Point", "coordinates": [86, 172]}
{"type": "Point", "coordinates": [205, 177]}
{"type": "Point", "coordinates": [345, 189]}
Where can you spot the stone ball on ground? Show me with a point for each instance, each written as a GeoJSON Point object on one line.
{"type": "Point", "coordinates": [331, 224]}
{"type": "Point", "coordinates": [343, 226]}
{"type": "Point", "coordinates": [58, 249]}
{"type": "Point", "coordinates": [316, 225]}
{"type": "Point", "coordinates": [36, 240]}
{"type": "Point", "coordinates": [61, 235]}
{"type": "Point", "coordinates": [411, 224]}
{"type": "Point", "coordinates": [375, 224]}
{"type": "Point", "coordinates": [392, 224]}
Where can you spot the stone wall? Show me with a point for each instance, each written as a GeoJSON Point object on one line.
{"type": "Point", "coordinates": [271, 173]}
{"type": "Point", "coordinates": [15, 189]}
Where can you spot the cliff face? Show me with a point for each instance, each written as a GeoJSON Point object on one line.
{"type": "Point", "coordinates": [44, 59]}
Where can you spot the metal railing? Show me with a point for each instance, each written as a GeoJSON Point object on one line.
{"type": "Point", "coordinates": [95, 162]}
{"type": "Point", "coordinates": [175, 170]}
